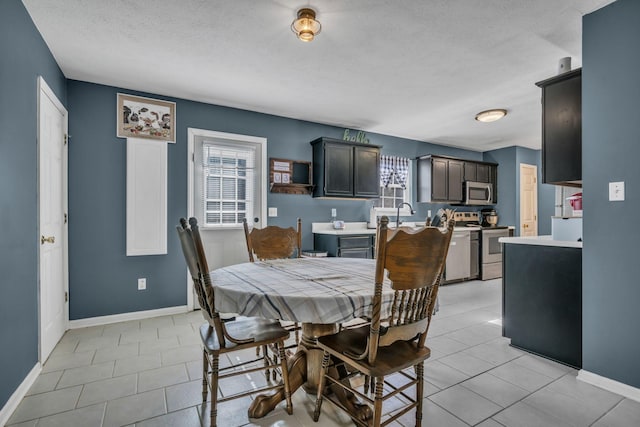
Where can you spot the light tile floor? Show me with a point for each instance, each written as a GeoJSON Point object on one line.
{"type": "Point", "coordinates": [148, 373]}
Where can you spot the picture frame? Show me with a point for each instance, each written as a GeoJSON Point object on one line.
{"type": "Point", "coordinates": [141, 117]}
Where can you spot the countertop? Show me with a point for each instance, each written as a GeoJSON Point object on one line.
{"type": "Point", "coordinates": [540, 241]}
{"type": "Point", "coordinates": [362, 228]}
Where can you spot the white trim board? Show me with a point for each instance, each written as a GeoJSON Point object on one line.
{"type": "Point", "coordinates": [147, 177]}
{"type": "Point", "coordinates": [12, 404]}
{"type": "Point", "coordinates": [125, 317]}
{"type": "Point", "coordinates": [610, 385]}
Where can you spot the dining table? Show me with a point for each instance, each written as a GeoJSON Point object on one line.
{"type": "Point", "coordinates": [319, 292]}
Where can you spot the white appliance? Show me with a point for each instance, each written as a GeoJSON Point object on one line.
{"type": "Point", "coordinates": [566, 229]}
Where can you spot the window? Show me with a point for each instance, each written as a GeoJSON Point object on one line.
{"type": "Point", "coordinates": [396, 171]}
{"type": "Point", "coordinates": [228, 184]}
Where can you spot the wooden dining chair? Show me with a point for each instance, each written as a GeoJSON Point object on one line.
{"type": "Point", "coordinates": [414, 262]}
{"type": "Point", "coordinates": [219, 338]}
{"type": "Point", "coordinates": [273, 242]}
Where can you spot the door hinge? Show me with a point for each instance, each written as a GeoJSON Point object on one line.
{"type": "Point", "coordinates": [66, 139]}
{"type": "Point", "coordinates": [66, 296]}
{"type": "Point", "coordinates": [65, 218]}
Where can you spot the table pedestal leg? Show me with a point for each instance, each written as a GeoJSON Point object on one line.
{"type": "Point", "coordinates": [305, 369]}
{"type": "Point", "coordinates": [265, 403]}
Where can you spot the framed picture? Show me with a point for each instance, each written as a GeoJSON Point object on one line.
{"type": "Point", "coordinates": [146, 118]}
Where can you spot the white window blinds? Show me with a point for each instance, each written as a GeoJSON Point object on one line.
{"type": "Point", "coordinates": [228, 183]}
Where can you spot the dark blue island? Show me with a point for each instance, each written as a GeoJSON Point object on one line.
{"type": "Point", "coordinates": [542, 297]}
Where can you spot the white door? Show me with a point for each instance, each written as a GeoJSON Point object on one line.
{"type": "Point", "coordinates": [528, 200]}
{"type": "Point", "coordinates": [52, 169]}
{"type": "Point", "coordinates": [227, 184]}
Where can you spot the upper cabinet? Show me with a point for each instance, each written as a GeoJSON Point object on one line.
{"type": "Point", "coordinates": [442, 179]}
{"type": "Point", "coordinates": [345, 169]}
{"type": "Point", "coordinates": [562, 129]}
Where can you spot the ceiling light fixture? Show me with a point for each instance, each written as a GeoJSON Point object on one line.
{"type": "Point", "coordinates": [491, 115]}
{"type": "Point", "coordinates": [305, 26]}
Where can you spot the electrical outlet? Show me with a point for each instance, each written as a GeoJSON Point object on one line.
{"type": "Point", "coordinates": [142, 284]}
{"type": "Point", "coordinates": [334, 212]}
{"type": "Point", "coordinates": [273, 212]}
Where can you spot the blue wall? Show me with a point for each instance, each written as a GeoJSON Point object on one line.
{"type": "Point", "coordinates": [100, 273]}
{"type": "Point", "coordinates": [97, 190]}
{"type": "Point", "coordinates": [610, 152]}
{"type": "Point", "coordinates": [25, 56]}
{"type": "Point", "coordinates": [508, 206]}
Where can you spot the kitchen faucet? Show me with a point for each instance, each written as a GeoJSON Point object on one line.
{"type": "Point", "coordinates": [398, 221]}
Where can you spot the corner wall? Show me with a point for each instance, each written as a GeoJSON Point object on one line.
{"type": "Point", "coordinates": [610, 151]}
{"type": "Point", "coordinates": [25, 56]}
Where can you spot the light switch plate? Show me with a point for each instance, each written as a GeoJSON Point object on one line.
{"type": "Point", "coordinates": [616, 191]}
{"type": "Point", "coordinates": [273, 211]}
{"type": "Point", "coordinates": [334, 212]}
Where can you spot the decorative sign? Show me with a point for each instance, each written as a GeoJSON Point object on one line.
{"type": "Point", "coordinates": [146, 118]}
{"type": "Point", "coordinates": [358, 137]}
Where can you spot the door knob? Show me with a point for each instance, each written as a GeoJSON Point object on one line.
{"type": "Point", "coordinates": [50, 239]}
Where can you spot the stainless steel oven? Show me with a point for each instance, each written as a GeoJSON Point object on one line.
{"type": "Point", "coordinates": [492, 251]}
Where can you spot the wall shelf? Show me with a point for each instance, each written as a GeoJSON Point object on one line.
{"type": "Point", "coordinates": [290, 176]}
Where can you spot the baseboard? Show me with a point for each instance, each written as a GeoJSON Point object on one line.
{"type": "Point", "coordinates": [124, 317]}
{"type": "Point", "coordinates": [17, 396]}
{"type": "Point", "coordinates": [608, 384]}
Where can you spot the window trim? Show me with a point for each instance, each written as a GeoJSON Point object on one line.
{"type": "Point", "coordinates": [192, 133]}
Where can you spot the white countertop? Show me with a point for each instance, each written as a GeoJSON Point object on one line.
{"type": "Point", "coordinates": [361, 228]}
{"type": "Point", "coordinates": [540, 241]}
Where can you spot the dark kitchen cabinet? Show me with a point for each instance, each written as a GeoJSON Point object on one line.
{"type": "Point", "coordinates": [345, 169]}
{"type": "Point", "coordinates": [345, 246]}
{"type": "Point", "coordinates": [477, 172]}
{"type": "Point", "coordinates": [562, 129]}
{"type": "Point", "coordinates": [542, 300]}
{"type": "Point", "coordinates": [440, 179]}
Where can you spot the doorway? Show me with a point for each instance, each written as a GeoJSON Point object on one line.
{"type": "Point", "coordinates": [226, 184]}
{"type": "Point", "coordinates": [528, 200]}
{"type": "Point", "coordinates": [53, 282]}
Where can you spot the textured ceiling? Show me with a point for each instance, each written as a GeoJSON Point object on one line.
{"type": "Point", "coordinates": [418, 69]}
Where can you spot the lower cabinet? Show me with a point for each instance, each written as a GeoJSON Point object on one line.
{"type": "Point", "coordinates": [345, 246]}
{"type": "Point", "coordinates": [542, 300]}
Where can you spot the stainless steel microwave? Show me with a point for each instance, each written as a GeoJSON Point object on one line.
{"type": "Point", "coordinates": [478, 193]}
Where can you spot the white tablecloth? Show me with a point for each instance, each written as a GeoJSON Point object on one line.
{"type": "Point", "coordinates": [314, 290]}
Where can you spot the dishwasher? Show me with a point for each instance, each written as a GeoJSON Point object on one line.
{"type": "Point", "coordinates": [458, 266]}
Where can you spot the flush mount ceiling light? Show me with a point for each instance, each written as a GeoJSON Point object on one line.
{"type": "Point", "coordinates": [490, 115]}
{"type": "Point", "coordinates": [305, 26]}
